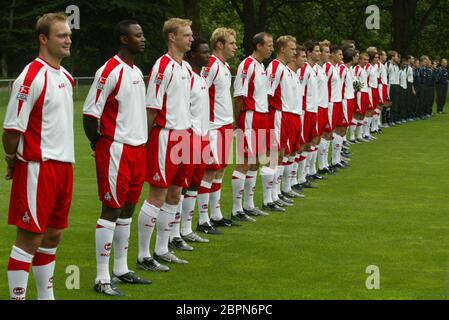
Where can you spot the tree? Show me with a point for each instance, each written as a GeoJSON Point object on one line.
{"type": "Point", "coordinates": [192, 11]}
{"type": "Point", "coordinates": [407, 24]}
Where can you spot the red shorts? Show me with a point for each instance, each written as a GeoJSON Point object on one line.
{"type": "Point", "coordinates": [220, 146]}
{"type": "Point", "coordinates": [120, 172]}
{"type": "Point", "coordinates": [323, 121]}
{"type": "Point", "coordinates": [299, 138]}
{"type": "Point", "coordinates": [41, 195]}
{"type": "Point", "coordinates": [310, 126]}
{"type": "Point", "coordinates": [168, 157]}
{"type": "Point", "coordinates": [374, 98]}
{"type": "Point", "coordinates": [350, 109]}
{"type": "Point", "coordinates": [287, 129]}
{"type": "Point", "coordinates": [362, 102]}
{"type": "Point", "coordinates": [253, 136]}
{"type": "Point", "coordinates": [200, 157]}
{"type": "Point", "coordinates": [339, 115]}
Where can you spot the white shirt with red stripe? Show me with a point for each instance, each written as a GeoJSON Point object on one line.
{"type": "Point", "coordinates": [362, 77]}
{"type": "Point", "coordinates": [382, 74]}
{"type": "Point", "coordinates": [41, 109]}
{"type": "Point", "coordinates": [199, 105]}
{"type": "Point", "coordinates": [373, 81]}
{"type": "Point", "coordinates": [299, 93]}
{"type": "Point", "coordinates": [333, 83]}
{"type": "Point", "coordinates": [219, 80]}
{"type": "Point", "coordinates": [347, 81]}
{"type": "Point", "coordinates": [283, 88]}
{"type": "Point", "coordinates": [322, 86]}
{"type": "Point", "coordinates": [117, 99]}
{"type": "Point", "coordinates": [251, 83]}
{"type": "Point", "coordinates": [168, 92]}
{"type": "Point", "coordinates": [308, 78]}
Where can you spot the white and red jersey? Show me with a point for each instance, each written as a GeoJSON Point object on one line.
{"type": "Point", "coordinates": [218, 79]}
{"type": "Point", "coordinates": [41, 109]}
{"type": "Point", "coordinates": [308, 77]}
{"type": "Point", "coordinates": [362, 77]}
{"type": "Point", "coordinates": [199, 105]}
{"type": "Point", "coordinates": [283, 87]}
{"type": "Point", "coordinates": [117, 99]}
{"type": "Point", "coordinates": [372, 76]}
{"type": "Point", "coordinates": [251, 83]}
{"type": "Point", "coordinates": [333, 83]}
{"type": "Point", "coordinates": [299, 93]}
{"type": "Point", "coordinates": [382, 73]}
{"type": "Point", "coordinates": [347, 90]}
{"type": "Point", "coordinates": [168, 92]}
{"type": "Point", "coordinates": [322, 87]}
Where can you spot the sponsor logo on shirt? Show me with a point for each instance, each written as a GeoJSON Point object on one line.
{"type": "Point", "coordinates": [136, 81]}
{"type": "Point", "coordinates": [23, 93]}
{"type": "Point", "coordinates": [101, 83]}
{"type": "Point", "coordinates": [159, 78]}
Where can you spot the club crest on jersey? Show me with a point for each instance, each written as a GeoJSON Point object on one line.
{"type": "Point", "coordinates": [23, 93]}
{"type": "Point", "coordinates": [107, 196]}
{"type": "Point", "coordinates": [244, 74]}
{"type": "Point", "coordinates": [159, 78]}
{"type": "Point", "coordinates": [101, 83]}
{"type": "Point", "coordinates": [26, 217]}
{"type": "Point", "coordinates": [157, 177]}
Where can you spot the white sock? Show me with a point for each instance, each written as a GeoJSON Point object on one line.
{"type": "Point", "coordinates": [18, 271]}
{"type": "Point", "coordinates": [286, 178]}
{"type": "Point", "coordinates": [337, 145]}
{"type": "Point", "coordinates": [309, 155]}
{"type": "Point", "coordinates": [121, 241]}
{"type": "Point", "coordinates": [294, 172]}
{"type": "Point", "coordinates": [302, 173]}
{"type": "Point", "coordinates": [312, 169]}
{"type": "Point", "coordinates": [44, 262]}
{"type": "Point", "coordinates": [175, 232]}
{"type": "Point", "coordinates": [276, 183]}
{"type": "Point", "coordinates": [188, 209]}
{"type": "Point", "coordinates": [360, 127]}
{"type": "Point", "coordinates": [374, 123]}
{"type": "Point", "coordinates": [147, 220]}
{"type": "Point", "coordinates": [250, 188]}
{"type": "Point", "coordinates": [203, 202]}
{"type": "Point", "coordinates": [323, 150]}
{"type": "Point", "coordinates": [352, 130]}
{"type": "Point", "coordinates": [103, 243]}
{"type": "Point", "coordinates": [238, 184]}
{"type": "Point", "coordinates": [214, 200]}
{"type": "Point", "coordinates": [163, 225]}
{"type": "Point", "coordinates": [267, 175]}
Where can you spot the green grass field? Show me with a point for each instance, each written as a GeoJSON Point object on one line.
{"type": "Point", "coordinates": [391, 209]}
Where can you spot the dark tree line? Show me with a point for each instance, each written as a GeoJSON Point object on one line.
{"type": "Point", "coordinates": [409, 26]}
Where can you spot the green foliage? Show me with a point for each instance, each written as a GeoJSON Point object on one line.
{"type": "Point", "coordinates": [306, 19]}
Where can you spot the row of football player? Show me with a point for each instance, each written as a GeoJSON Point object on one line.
{"type": "Point", "coordinates": [134, 132]}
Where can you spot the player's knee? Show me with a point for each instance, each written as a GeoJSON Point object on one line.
{"type": "Point", "coordinates": [110, 214]}
{"type": "Point", "coordinates": [52, 238]}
